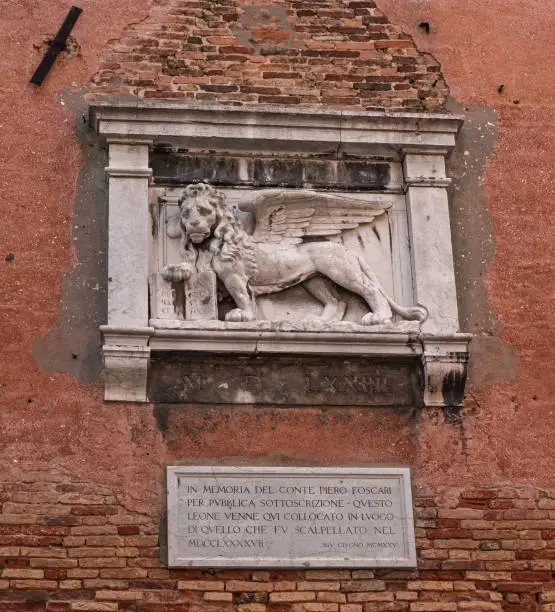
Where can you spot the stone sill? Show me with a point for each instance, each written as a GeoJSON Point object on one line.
{"type": "Point", "coordinates": [238, 340]}
{"type": "Point", "coordinates": [320, 343]}
{"type": "Point", "coordinates": [443, 357]}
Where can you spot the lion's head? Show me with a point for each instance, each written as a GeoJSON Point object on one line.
{"type": "Point", "coordinates": [205, 216]}
{"type": "Point", "coordinates": [201, 210]}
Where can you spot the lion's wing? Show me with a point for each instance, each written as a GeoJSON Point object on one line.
{"type": "Point", "coordinates": [287, 216]}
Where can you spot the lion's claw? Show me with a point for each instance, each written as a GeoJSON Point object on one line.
{"type": "Point", "coordinates": [237, 315]}
{"type": "Point", "coordinates": [176, 272]}
{"type": "Point", "coordinates": [375, 319]}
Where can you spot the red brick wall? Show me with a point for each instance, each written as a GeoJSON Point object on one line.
{"type": "Point", "coordinates": [311, 52]}
{"type": "Point", "coordinates": [68, 546]}
{"type": "Point", "coordinates": [503, 557]}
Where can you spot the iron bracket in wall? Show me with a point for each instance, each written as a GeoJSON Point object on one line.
{"type": "Point", "coordinates": [57, 45]}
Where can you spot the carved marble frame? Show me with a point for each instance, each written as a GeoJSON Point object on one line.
{"type": "Point", "coordinates": [420, 141]}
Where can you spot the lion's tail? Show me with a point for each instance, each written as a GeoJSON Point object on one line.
{"type": "Point", "coordinates": [412, 313]}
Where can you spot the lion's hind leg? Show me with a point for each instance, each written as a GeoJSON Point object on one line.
{"type": "Point", "coordinates": [324, 291]}
{"type": "Point", "coordinates": [344, 268]}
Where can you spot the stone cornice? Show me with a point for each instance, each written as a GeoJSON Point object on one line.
{"type": "Point", "coordinates": [276, 129]}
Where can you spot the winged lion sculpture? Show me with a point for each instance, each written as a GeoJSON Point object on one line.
{"type": "Point", "coordinates": [276, 239]}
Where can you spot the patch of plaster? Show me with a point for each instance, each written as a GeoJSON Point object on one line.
{"type": "Point", "coordinates": [263, 24]}
{"type": "Point", "coordinates": [73, 343]}
{"type": "Point", "coordinates": [491, 359]}
{"type": "Point", "coordinates": [71, 50]}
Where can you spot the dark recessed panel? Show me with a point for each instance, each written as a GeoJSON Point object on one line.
{"type": "Point", "coordinates": [283, 379]}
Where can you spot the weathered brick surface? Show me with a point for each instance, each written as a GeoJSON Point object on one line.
{"type": "Point", "coordinates": [115, 564]}
{"type": "Point", "coordinates": [336, 53]}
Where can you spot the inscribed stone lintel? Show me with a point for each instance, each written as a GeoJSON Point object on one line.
{"type": "Point", "coordinates": [290, 517]}
{"type": "Point", "coordinates": [311, 380]}
{"type": "Point", "coordinates": [342, 262]}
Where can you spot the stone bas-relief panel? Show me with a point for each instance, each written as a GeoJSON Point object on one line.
{"type": "Point", "coordinates": [290, 517]}
{"type": "Point", "coordinates": [350, 254]}
{"type": "Point", "coordinates": [332, 246]}
{"type": "Point", "coordinates": [283, 380]}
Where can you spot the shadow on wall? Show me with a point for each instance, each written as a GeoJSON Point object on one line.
{"type": "Point", "coordinates": [73, 343]}
{"type": "Point", "coordinates": [491, 360]}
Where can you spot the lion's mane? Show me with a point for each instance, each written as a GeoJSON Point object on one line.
{"type": "Point", "coordinates": [229, 241]}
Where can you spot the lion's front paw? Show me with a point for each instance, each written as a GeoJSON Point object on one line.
{"type": "Point", "coordinates": [176, 272]}
{"type": "Point", "coordinates": [238, 316]}
{"type": "Point", "coordinates": [375, 319]}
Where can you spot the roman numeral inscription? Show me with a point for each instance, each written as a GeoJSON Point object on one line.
{"type": "Point", "coordinates": [278, 379]}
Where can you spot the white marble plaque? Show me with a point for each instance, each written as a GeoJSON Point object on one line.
{"type": "Point", "coordinates": [290, 517]}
